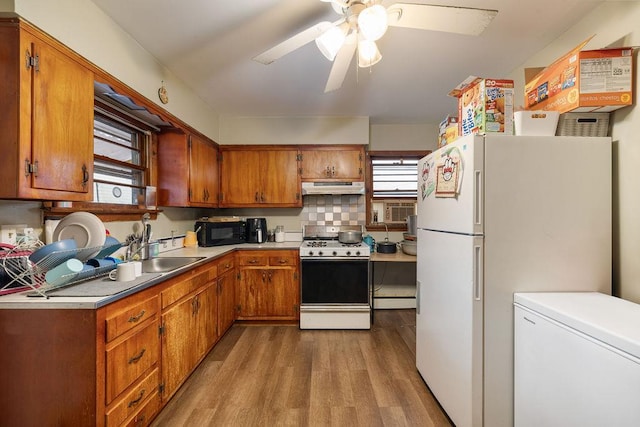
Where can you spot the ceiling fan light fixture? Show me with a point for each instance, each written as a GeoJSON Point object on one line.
{"type": "Point", "coordinates": [368, 53]}
{"type": "Point", "coordinates": [337, 5]}
{"type": "Point", "coordinates": [373, 22]}
{"type": "Point", "coordinates": [331, 41]}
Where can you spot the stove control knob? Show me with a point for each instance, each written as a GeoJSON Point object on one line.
{"type": "Point", "coordinates": [319, 253]}
{"type": "Point", "coordinates": [335, 253]}
{"type": "Point", "coordinates": [348, 253]}
{"type": "Point", "coordinates": [310, 253]}
{"type": "Point", "coordinates": [357, 253]}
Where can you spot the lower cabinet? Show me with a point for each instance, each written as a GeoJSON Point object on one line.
{"type": "Point", "coordinates": [226, 294]}
{"type": "Point", "coordinates": [189, 309]}
{"type": "Point", "coordinates": [119, 365]}
{"type": "Point", "coordinates": [268, 286]}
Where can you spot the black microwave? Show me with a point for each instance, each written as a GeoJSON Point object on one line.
{"type": "Point", "coordinates": [213, 233]}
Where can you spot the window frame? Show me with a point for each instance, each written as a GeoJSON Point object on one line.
{"type": "Point", "coordinates": [371, 155]}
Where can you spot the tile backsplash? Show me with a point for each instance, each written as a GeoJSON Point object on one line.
{"type": "Point", "coordinates": [334, 210]}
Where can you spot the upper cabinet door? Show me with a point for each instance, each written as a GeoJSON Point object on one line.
{"type": "Point", "coordinates": [46, 117]}
{"type": "Point", "coordinates": [332, 163]}
{"type": "Point", "coordinates": [265, 177]}
{"type": "Point", "coordinates": [240, 178]}
{"type": "Point", "coordinates": [203, 172]}
{"type": "Point", "coordinates": [280, 182]}
{"type": "Point", "coordinates": [62, 123]}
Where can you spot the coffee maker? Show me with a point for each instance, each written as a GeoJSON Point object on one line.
{"type": "Point", "coordinates": [256, 230]}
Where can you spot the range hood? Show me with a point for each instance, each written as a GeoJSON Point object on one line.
{"type": "Point", "coordinates": [333, 188]}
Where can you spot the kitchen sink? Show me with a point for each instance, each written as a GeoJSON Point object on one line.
{"type": "Point", "coordinates": [166, 264]}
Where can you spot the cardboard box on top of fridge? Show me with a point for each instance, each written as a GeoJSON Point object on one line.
{"type": "Point", "coordinates": [448, 131]}
{"type": "Point", "coordinates": [484, 106]}
{"type": "Point", "coordinates": [582, 81]}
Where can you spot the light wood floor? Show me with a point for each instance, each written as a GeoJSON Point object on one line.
{"type": "Point", "coordinates": [282, 376]}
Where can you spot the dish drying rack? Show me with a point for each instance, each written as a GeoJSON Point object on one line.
{"type": "Point", "coordinates": [24, 274]}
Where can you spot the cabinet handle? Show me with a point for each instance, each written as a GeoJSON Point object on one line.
{"type": "Point", "coordinates": [264, 277]}
{"type": "Point", "coordinates": [283, 261]}
{"type": "Point", "coordinates": [227, 266]}
{"type": "Point", "coordinates": [262, 197]}
{"type": "Point", "coordinates": [333, 171]}
{"type": "Point", "coordinates": [256, 199]}
{"type": "Point", "coordinates": [328, 172]}
{"type": "Point", "coordinates": [85, 176]}
{"type": "Point", "coordinates": [136, 401]}
{"type": "Point", "coordinates": [139, 419]}
{"type": "Point", "coordinates": [137, 358]}
{"type": "Point", "coordinates": [253, 261]}
{"type": "Point", "coordinates": [134, 319]}
{"type": "Point", "coordinates": [270, 273]}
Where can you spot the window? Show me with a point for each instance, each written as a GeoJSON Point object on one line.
{"type": "Point", "coordinates": [119, 166]}
{"type": "Point", "coordinates": [392, 188]}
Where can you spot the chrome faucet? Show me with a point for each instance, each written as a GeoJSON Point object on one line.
{"type": "Point", "coordinates": [140, 244]}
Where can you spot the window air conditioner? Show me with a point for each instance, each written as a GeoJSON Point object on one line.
{"type": "Point", "coordinates": [396, 212]}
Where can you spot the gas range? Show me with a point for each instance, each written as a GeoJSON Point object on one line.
{"type": "Point", "coordinates": [322, 242]}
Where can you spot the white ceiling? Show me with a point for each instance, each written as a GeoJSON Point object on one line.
{"type": "Point", "coordinates": [209, 44]}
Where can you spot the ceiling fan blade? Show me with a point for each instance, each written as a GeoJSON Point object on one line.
{"type": "Point", "coordinates": [450, 19]}
{"type": "Point", "coordinates": [293, 43]}
{"type": "Point", "coordinates": [341, 63]}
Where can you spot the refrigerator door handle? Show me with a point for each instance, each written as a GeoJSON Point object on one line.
{"type": "Point", "coordinates": [477, 198]}
{"type": "Point", "coordinates": [478, 274]}
{"type": "Point", "coordinates": [417, 297]}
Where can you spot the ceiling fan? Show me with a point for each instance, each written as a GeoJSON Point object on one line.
{"type": "Point", "coordinates": [362, 22]}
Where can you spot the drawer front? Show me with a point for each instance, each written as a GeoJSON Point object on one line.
{"type": "Point", "coordinates": [283, 260]}
{"type": "Point", "coordinates": [131, 317]}
{"type": "Point", "coordinates": [225, 265]}
{"type": "Point", "coordinates": [134, 400]}
{"type": "Point", "coordinates": [253, 260]}
{"type": "Point", "coordinates": [146, 413]}
{"type": "Point", "coordinates": [127, 361]}
{"type": "Point", "coordinates": [184, 288]}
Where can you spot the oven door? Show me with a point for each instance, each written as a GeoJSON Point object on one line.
{"type": "Point", "coordinates": [335, 293]}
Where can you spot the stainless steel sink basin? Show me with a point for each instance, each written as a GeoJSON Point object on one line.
{"type": "Point", "coordinates": [166, 264]}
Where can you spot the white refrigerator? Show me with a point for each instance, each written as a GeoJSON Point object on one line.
{"type": "Point", "coordinates": [498, 215]}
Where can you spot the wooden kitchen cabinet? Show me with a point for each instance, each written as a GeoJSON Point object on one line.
{"type": "Point", "coordinates": [46, 117]}
{"type": "Point", "coordinates": [253, 176]}
{"type": "Point", "coordinates": [189, 320]}
{"type": "Point", "coordinates": [131, 359]}
{"type": "Point", "coordinates": [332, 163]}
{"type": "Point", "coordinates": [226, 294]}
{"type": "Point", "coordinates": [187, 170]}
{"type": "Point", "coordinates": [268, 288]}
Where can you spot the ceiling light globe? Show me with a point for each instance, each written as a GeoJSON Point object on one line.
{"type": "Point", "coordinates": [373, 22]}
{"type": "Point", "coordinates": [368, 53]}
{"type": "Point", "coordinates": [331, 41]}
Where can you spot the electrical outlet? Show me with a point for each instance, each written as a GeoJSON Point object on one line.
{"type": "Point", "coordinates": [8, 235]}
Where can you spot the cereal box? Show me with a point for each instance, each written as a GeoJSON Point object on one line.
{"type": "Point", "coordinates": [448, 131]}
{"type": "Point", "coordinates": [582, 81]}
{"type": "Point", "coordinates": [484, 106]}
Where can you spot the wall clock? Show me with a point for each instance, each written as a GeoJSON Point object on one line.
{"type": "Point", "coordinates": [162, 94]}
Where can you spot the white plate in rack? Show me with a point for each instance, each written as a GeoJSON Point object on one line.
{"type": "Point", "coordinates": [86, 229]}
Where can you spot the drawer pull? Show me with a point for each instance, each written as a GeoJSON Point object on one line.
{"type": "Point", "coordinates": [134, 319]}
{"type": "Point", "coordinates": [227, 266]}
{"type": "Point", "coordinates": [139, 419]}
{"type": "Point", "coordinates": [253, 261]}
{"type": "Point", "coordinates": [135, 359]}
{"type": "Point", "coordinates": [136, 401]}
{"type": "Point", "coordinates": [283, 261]}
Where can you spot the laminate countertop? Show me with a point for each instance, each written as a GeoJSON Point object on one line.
{"type": "Point", "coordinates": [26, 300]}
